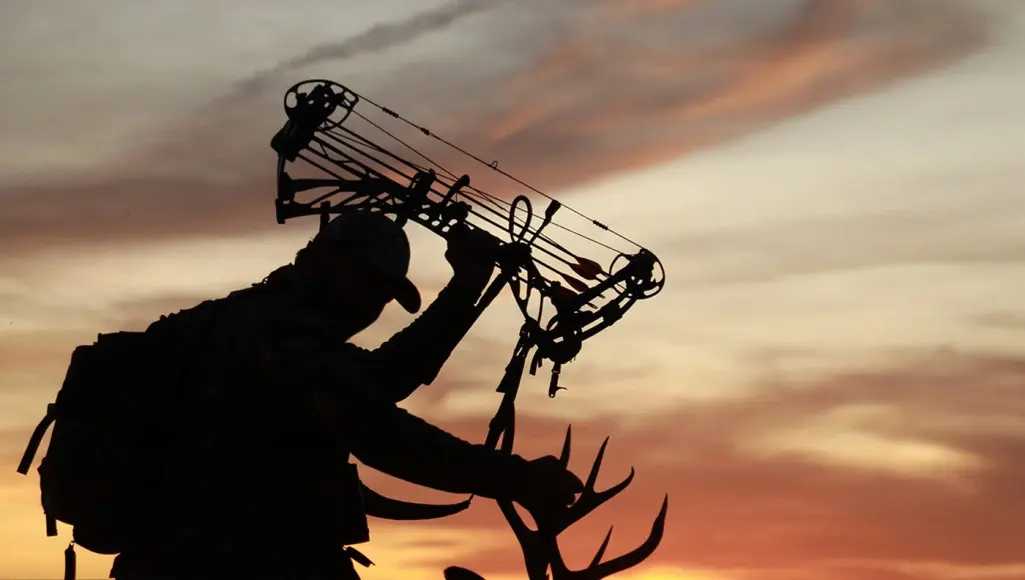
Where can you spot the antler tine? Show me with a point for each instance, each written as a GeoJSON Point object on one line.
{"type": "Point", "coordinates": [590, 499]}
{"type": "Point", "coordinates": [592, 477]}
{"type": "Point", "coordinates": [564, 456]}
{"type": "Point", "coordinates": [601, 549]}
{"type": "Point", "coordinates": [460, 573]}
{"type": "Point", "coordinates": [598, 570]}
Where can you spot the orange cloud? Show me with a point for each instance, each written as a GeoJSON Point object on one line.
{"type": "Point", "coordinates": [809, 480]}
{"type": "Point", "coordinates": [607, 102]}
{"type": "Point", "coordinates": [793, 515]}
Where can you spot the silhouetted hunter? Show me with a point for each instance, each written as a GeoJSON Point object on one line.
{"type": "Point", "coordinates": [252, 478]}
{"type": "Point", "coordinates": [216, 443]}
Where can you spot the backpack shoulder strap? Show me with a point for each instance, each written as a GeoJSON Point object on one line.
{"type": "Point", "coordinates": [36, 439]}
{"type": "Point", "coordinates": [52, 411]}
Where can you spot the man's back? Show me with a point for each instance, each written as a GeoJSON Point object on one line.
{"type": "Point", "coordinates": [259, 483]}
{"type": "Point", "coordinates": [279, 400]}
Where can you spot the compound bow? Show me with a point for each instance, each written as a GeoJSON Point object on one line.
{"type": "Point", "coordinates": [585, 296]}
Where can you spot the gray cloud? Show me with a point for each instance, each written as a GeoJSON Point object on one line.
{"type": "Point", "coordinates": [1012, 321]}
{"type": "Point", "coordinates": [852, 240]}
{"type": "Point", "coordinates": [584, 98]}
{"type": "Point", "coordinates": [376, 39]}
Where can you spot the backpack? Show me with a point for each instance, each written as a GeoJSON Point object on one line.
{"type": "Point", "coordinates": [112, 454]}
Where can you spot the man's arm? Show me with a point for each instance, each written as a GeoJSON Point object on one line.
{"type": "Point", "coordinates": [415, 355]}
{"type": "Point", "coordinates": [393, 441]}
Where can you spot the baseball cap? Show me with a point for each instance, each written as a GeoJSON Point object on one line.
{"type": "Point", "coordinates": [380, 242]}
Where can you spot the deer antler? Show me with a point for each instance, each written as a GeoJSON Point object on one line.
{"type": "Point", "coordinates": [540, 547]}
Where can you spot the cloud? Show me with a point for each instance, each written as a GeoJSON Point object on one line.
{"type": "Point", "coordinates": [608, 97]}
{"type": "Point", "coordinates": [985, 231]}
{"type": "Point", "coordinates": [1013, 321]}
{"type": "Point", "coordinates": [572, 96]}
{"type": "Point", "coordinates": [377, 38]}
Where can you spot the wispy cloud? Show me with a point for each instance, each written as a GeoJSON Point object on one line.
{"type": "Point", "coordinates": [377, 38]}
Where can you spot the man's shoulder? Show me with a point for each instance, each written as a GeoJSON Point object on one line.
{"type": "Point", "coordinates": [294, 332]}
{"type": "Point", "coordinates": [268, 329]}
{"type": "Point", "coordinates": [232, 321]}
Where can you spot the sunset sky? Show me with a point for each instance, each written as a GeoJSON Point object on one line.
{"type": "Point", "coordinates": [832, 384]}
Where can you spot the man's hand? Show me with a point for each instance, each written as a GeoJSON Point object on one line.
{"type": "Point", "coordinates": [471, 255]}
{"type": "Point", "coordinates": [548, 489]}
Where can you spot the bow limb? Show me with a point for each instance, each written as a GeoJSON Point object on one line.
{"type": "Point", "coordinates": [380, 506]}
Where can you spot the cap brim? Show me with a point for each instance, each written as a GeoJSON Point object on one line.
{"type": "Point", "coordinates": [407, 295]}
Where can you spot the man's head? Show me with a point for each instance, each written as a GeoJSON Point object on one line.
{"type": "Point", "coordinates": [358, 264]}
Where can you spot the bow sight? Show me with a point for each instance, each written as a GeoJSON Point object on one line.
{"type": "Point", "coordinates": [585, 296]}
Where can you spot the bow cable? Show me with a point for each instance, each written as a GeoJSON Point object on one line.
{"type": "Point", "coordinates": [493, 165]}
